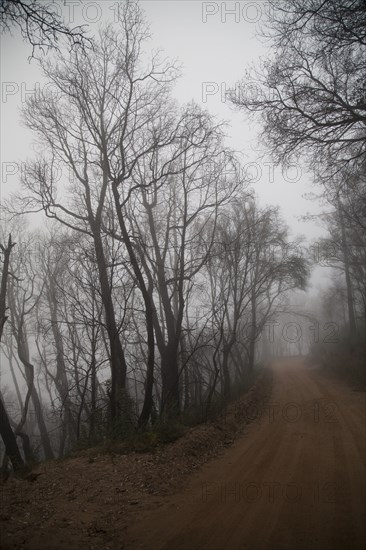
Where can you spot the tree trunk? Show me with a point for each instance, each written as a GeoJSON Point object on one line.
{"type": "Point", "coordinates": [93, 398]}
{"type": "Point", "coordinates": [20, 336]}
{"type": "Point", "coordinates": [351, 311]}
{"type": "Point", "coordinates": [149, 385]}
{"type": "Point", "coordinates": [9, 439]}
{"type": "Point", "coordinates": [170, 379]}
{"type": "Point", "coordinates": [45, 440]}
{"type": "Point", "coordinates": [60, 379]}
{"type": "Point", "coordinates": [253, 331]}
{"type": "Point", "coordinates": [4, 283]}
{"type": "Point", "coordinates": [225, 372]}
{"type": "Point", "coordinates": [118, 360]}
{"type": "Point", "coordinates": [6, 431]}
{"type": "Point", "coordinates": [46, 444]}
{"type": "Point", "coordinates": [149, 312]}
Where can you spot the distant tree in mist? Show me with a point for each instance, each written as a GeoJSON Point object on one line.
{"type": "Point", "coordinates": [344, 248]}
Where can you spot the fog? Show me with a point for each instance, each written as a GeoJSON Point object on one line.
{"type": "Point", "coordinates": [182, 222]}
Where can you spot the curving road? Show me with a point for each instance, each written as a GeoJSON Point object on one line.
{"type": "Point", "coordinates": [296, 480]}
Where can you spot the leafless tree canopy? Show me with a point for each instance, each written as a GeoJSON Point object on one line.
{"type": "Point", "coordinates": [39, 24]}
{"type": "Point", "coordinates": [310, 93]}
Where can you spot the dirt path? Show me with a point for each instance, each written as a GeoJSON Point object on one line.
{"type": "Point", "coordinates": [295, 481]}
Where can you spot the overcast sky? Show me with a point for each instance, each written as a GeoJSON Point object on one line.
{"type": "Point", "coordinates": [215, 42]}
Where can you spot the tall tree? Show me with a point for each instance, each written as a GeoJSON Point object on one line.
{"type": "Point", "coordinates": [169, 234]}
{"type": "Point", "coordinates": [24, 294]}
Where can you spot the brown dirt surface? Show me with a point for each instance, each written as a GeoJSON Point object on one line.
{"type": "Point", "coordinates": [294, 478]}
{"type": "Point", "coordinates": [88, 501]}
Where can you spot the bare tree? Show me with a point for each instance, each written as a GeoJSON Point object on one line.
{"type": "Point", "coordinates": [310, 93]}
{"type": "Point", "coordinates": [24, 294]}
{"type": "Point", "coordinates": [39, 24]}
{"type": "Point", "coordinates": [248, 272]}
{"type": "Point", "coordinates": [344, 248]}
{"type": "Point", "coordinates": [68, 133]}
{"type": "Point", "coordinates": [53, 256]}
{"type": "Point", "coordinates": [169, 232]}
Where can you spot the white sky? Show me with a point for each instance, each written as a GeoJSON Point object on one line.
{"type": "Point", "coordinates": [214, 55]}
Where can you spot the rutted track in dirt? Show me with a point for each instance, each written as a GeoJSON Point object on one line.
{"type": "Point", "coordinates": [296, 480]}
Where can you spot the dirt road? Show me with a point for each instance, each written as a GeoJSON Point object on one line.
{"type": "Point", "coordinates": [296, 480]}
